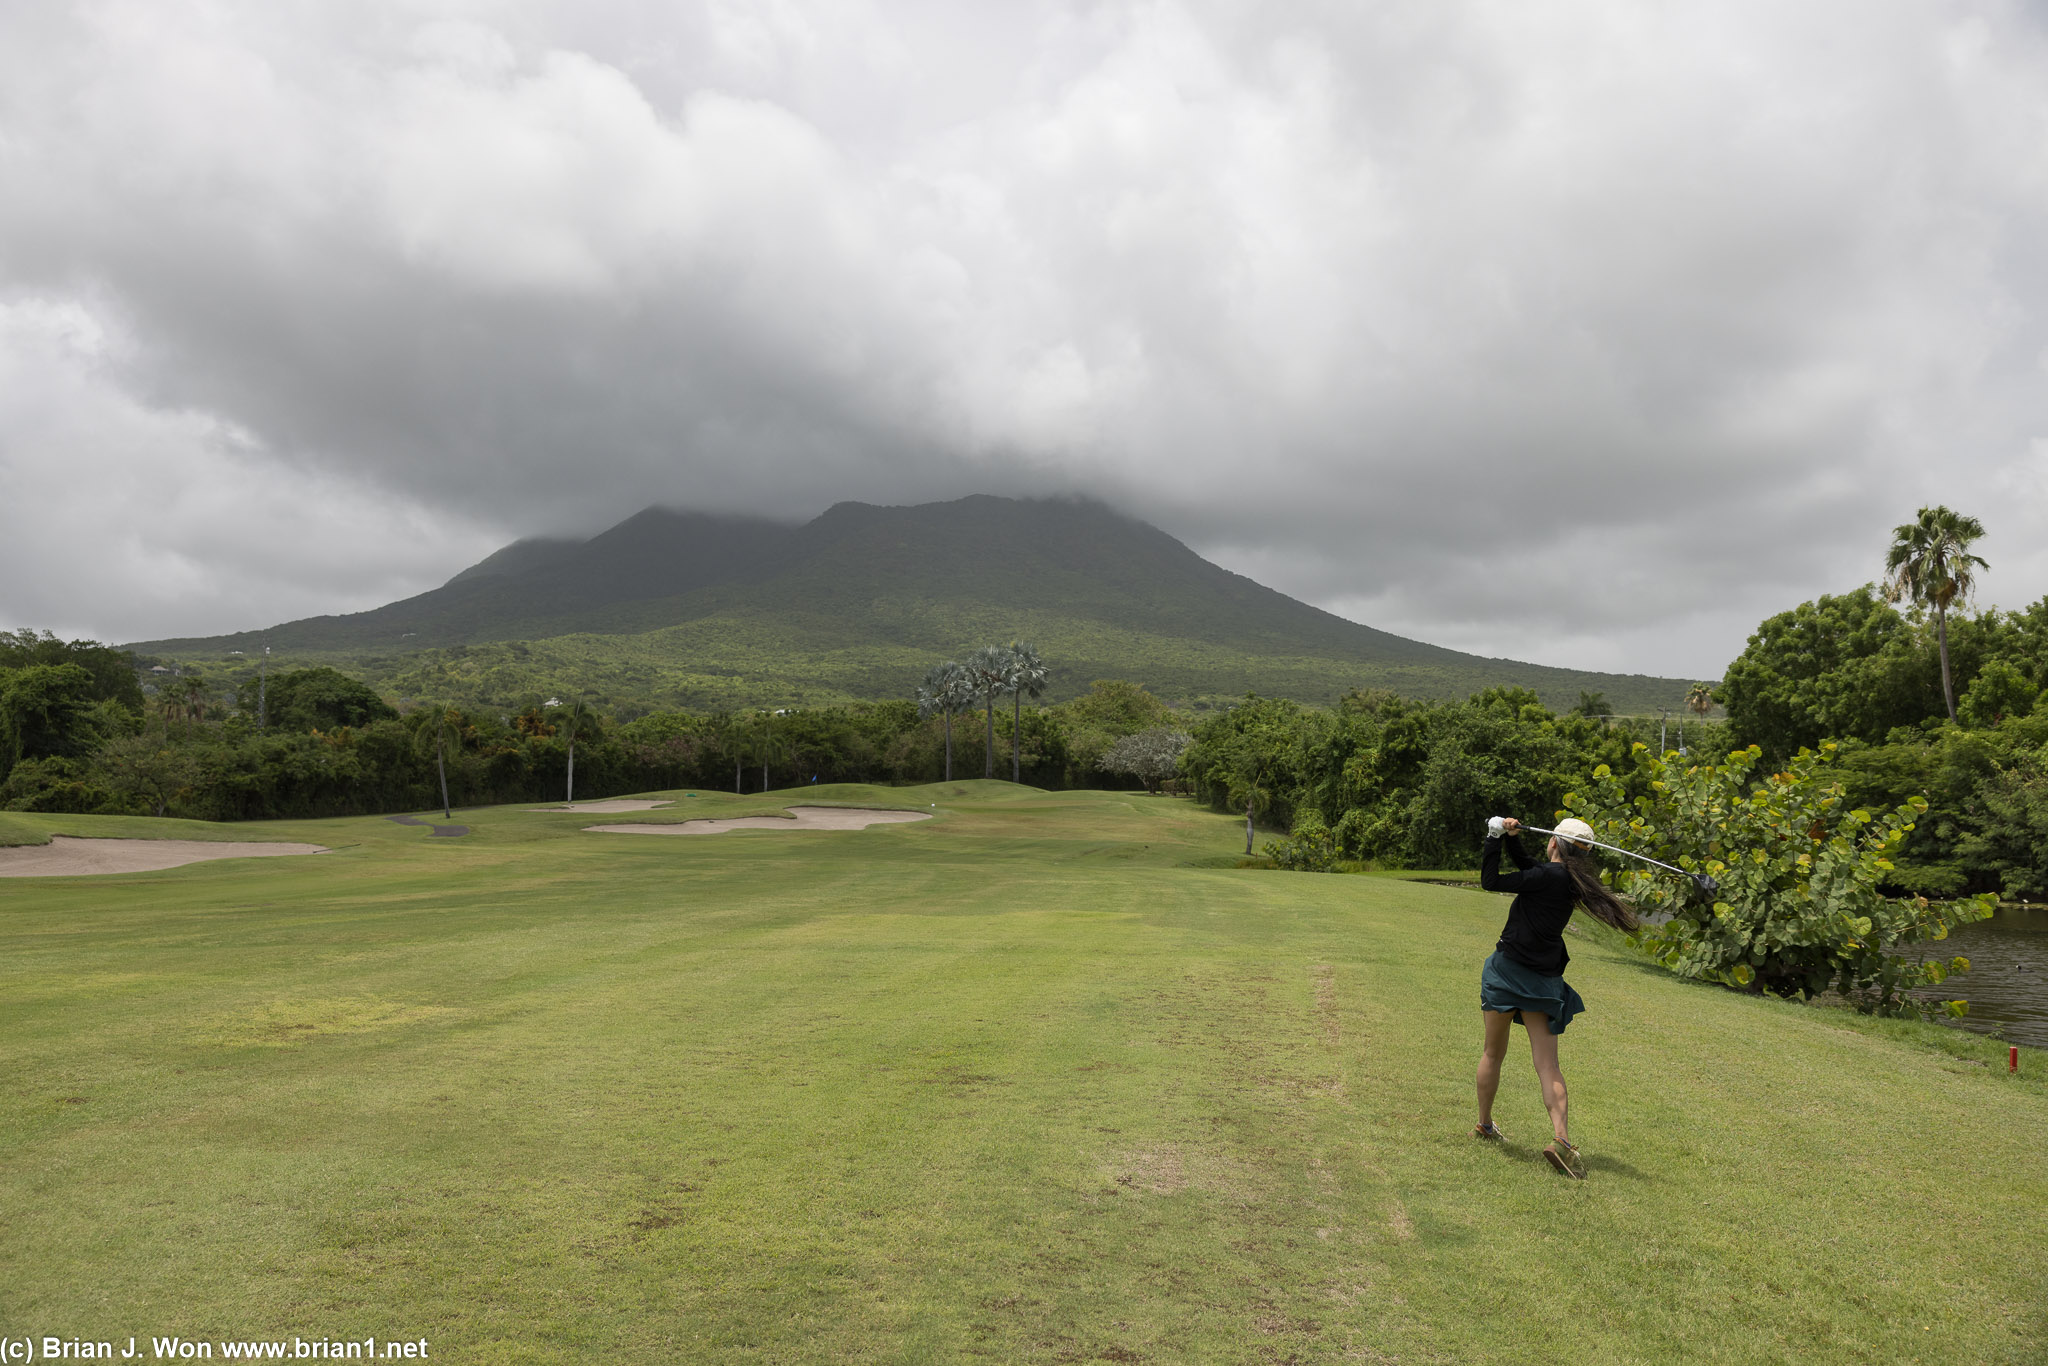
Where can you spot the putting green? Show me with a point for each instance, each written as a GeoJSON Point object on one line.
{"type": "Point", "coordinates": [1042, 1078]}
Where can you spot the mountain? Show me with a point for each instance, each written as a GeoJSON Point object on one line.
{"type": "Point", "coordinates": [684, 608]}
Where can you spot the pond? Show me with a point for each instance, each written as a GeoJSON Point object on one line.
{"type": "Point", "coordinates": [2007, 984]}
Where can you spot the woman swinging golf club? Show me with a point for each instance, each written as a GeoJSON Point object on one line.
{"type": "Point", "coordinates": [1523, 982]}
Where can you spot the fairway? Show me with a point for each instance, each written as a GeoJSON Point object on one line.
{"type": "Point", "coordinates": [1042, 1078]}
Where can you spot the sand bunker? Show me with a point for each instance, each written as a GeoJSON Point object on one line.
{"type": "Point", "coordinates": [805, 818]}
{"type": "Point", "coordinates": [67, 857]}
{"type": "Point", "coordinates": [615, 804]}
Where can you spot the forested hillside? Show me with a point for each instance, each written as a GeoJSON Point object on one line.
{"type": "Point", "coordinates": [678, 609]}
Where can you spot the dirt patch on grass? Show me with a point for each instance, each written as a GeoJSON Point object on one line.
{"type": "Point", "coordinates": [1326, 1003]}
{"type": "Point", "coordinates": [284, 1024]}
{"type": "Point", "coordinates": [606, 807]}
{"type": "Point", "coordinates": [1170, 1168]}
{"type": "Point", "coordinates": [65, 856]}
{"type": "Point", "coordinates": [799, 818]}
{"type": "Point", "coordinates": [1159, 1172]}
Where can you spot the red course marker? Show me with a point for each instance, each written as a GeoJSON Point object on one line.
{"type": "Point", "coordinates": [2012, 1060]}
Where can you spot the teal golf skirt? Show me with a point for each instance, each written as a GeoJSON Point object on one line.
{"type": "Point", "coordinates": [1509, 987]}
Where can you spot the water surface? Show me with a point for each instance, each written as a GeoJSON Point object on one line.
{"type": "Point", "coordinates": [2007, 984]}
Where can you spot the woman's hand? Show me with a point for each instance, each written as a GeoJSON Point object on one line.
{"type": "Point", "coordinates": [1511, 825]}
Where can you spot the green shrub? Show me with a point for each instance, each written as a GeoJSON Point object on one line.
{"type": "Point", "coordinates": [1310, 849]}
{"type": "Point", "coordinates": [53, 784]}
{"type": "Point", "coordinates": [1798, 910]}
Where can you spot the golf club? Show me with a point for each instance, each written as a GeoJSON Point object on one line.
{"type": "Point", "coordinates": [1706, 884]}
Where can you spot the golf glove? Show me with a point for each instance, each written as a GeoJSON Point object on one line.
{"type": "Point", "coordinates": [1496, 826]}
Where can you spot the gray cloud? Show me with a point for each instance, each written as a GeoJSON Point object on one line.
{"type": "Point", "coordinates": [1575, 334]}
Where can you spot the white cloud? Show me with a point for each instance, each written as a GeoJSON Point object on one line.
{"type": "Point", "coordinates": [126, 521]}
{"type": "Point", "coordinates": [1427, 312]}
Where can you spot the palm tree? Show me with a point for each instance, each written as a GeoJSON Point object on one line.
{"type": "Point", "coordinates": [1699, 700]}
{"type": "Point", "coordinates": [192, 692]}
{"type": "Point", "coordinates": [944, 690]}
{"type": "Point", "coordinates": [1930, 564]}
{"type": "Point", "coordinates": [443, 728]}
{"type": "Point", "coordinates": [723, 729]}
{"type": "Point", "coordinates": [577, 722]}
{"type": "Point", "coordinates": [989, 670]}
{"type": "Point", "coordinates": [1028, 674]}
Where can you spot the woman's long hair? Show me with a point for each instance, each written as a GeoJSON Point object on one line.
{"type": "Point", "coordinates": [1594, 894]}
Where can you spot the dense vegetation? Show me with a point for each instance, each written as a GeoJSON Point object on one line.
{"type": "Point", "coordinates": [1856, 669]}
{"type": "Point", "coordinates": [1402, 783]}
{"type": "Point", "coordinates": [317, 743]}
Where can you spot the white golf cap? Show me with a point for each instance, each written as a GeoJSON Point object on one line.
{"type": "Point", "coordinates": [1577, 831]}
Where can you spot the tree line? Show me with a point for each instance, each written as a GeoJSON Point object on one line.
{"type": "Point", "coordinates": [1915, 695]}
{"type": "Point", "coordinates": [1881, 777]}
{"type": "Point", "coordinates": [1922, 698]}
{"type": "Point", "coordinates": [78, 733]}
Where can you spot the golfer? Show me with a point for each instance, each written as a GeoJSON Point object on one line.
{"type": "Point", "coordinates": [1523, 982]}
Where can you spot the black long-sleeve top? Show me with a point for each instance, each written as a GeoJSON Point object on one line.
{"type": "Point", "coordinates": [1544, 898]}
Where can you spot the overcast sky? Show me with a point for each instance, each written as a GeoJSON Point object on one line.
{"type": "Point", "coordinates": [1585, 333]}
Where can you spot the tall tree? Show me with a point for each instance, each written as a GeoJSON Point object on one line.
{"type": "Point", "coordinates": [1253, 789]}
{"type": "Point", "coordinates": [141, 766]}
{"type": "Point", "coordinates": [194, 692]}
{"type": "Point", "coordinates": [1699, 700]}
{"type": "Point", "coordinates": [113, 671]}
{"type": "Point", "coordinates": [45, 710]}
{"type": "Point", "coordinates": [944, 689]}
{"type": "Point", "coordinates": [989, 670]}
{"type": "Point", "coordinates": [726, 731]}
{"type": "Point", "coordinates": [442, 728]}
{"type": "Point", "coordinates": [1028, 677]}
{"type": "Point", "coordinates": [730, 730]}
{"type": "Point", "coordinates": [321, 698]}
{"type": "Point", "coordinates": [1150, 756]}
{"type": "Point", "coordinates": [1930, 564]}
{"type": "Point", "coordinates": [577, 722]}
{"type": "Point", "coordinates": [1840, 667]}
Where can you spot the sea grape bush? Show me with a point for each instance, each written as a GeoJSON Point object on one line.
{"type": "Point", "coordinates": [1311, 848]}
{"type": "Point", "coordinates": [1798, 910]}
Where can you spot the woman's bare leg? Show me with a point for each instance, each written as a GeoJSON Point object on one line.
{"type": "Point", "coordinates": [1491, 1054]}
{"type": "Point", "coordinates": [1543, 1050]}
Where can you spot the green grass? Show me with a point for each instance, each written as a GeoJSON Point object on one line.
{"type": "Point", "coordinates": [17, 829]}
{"type": "Point", "coordinates": [36, 827]}
{"type": "Point", "coordinates": [1019, 1084]}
